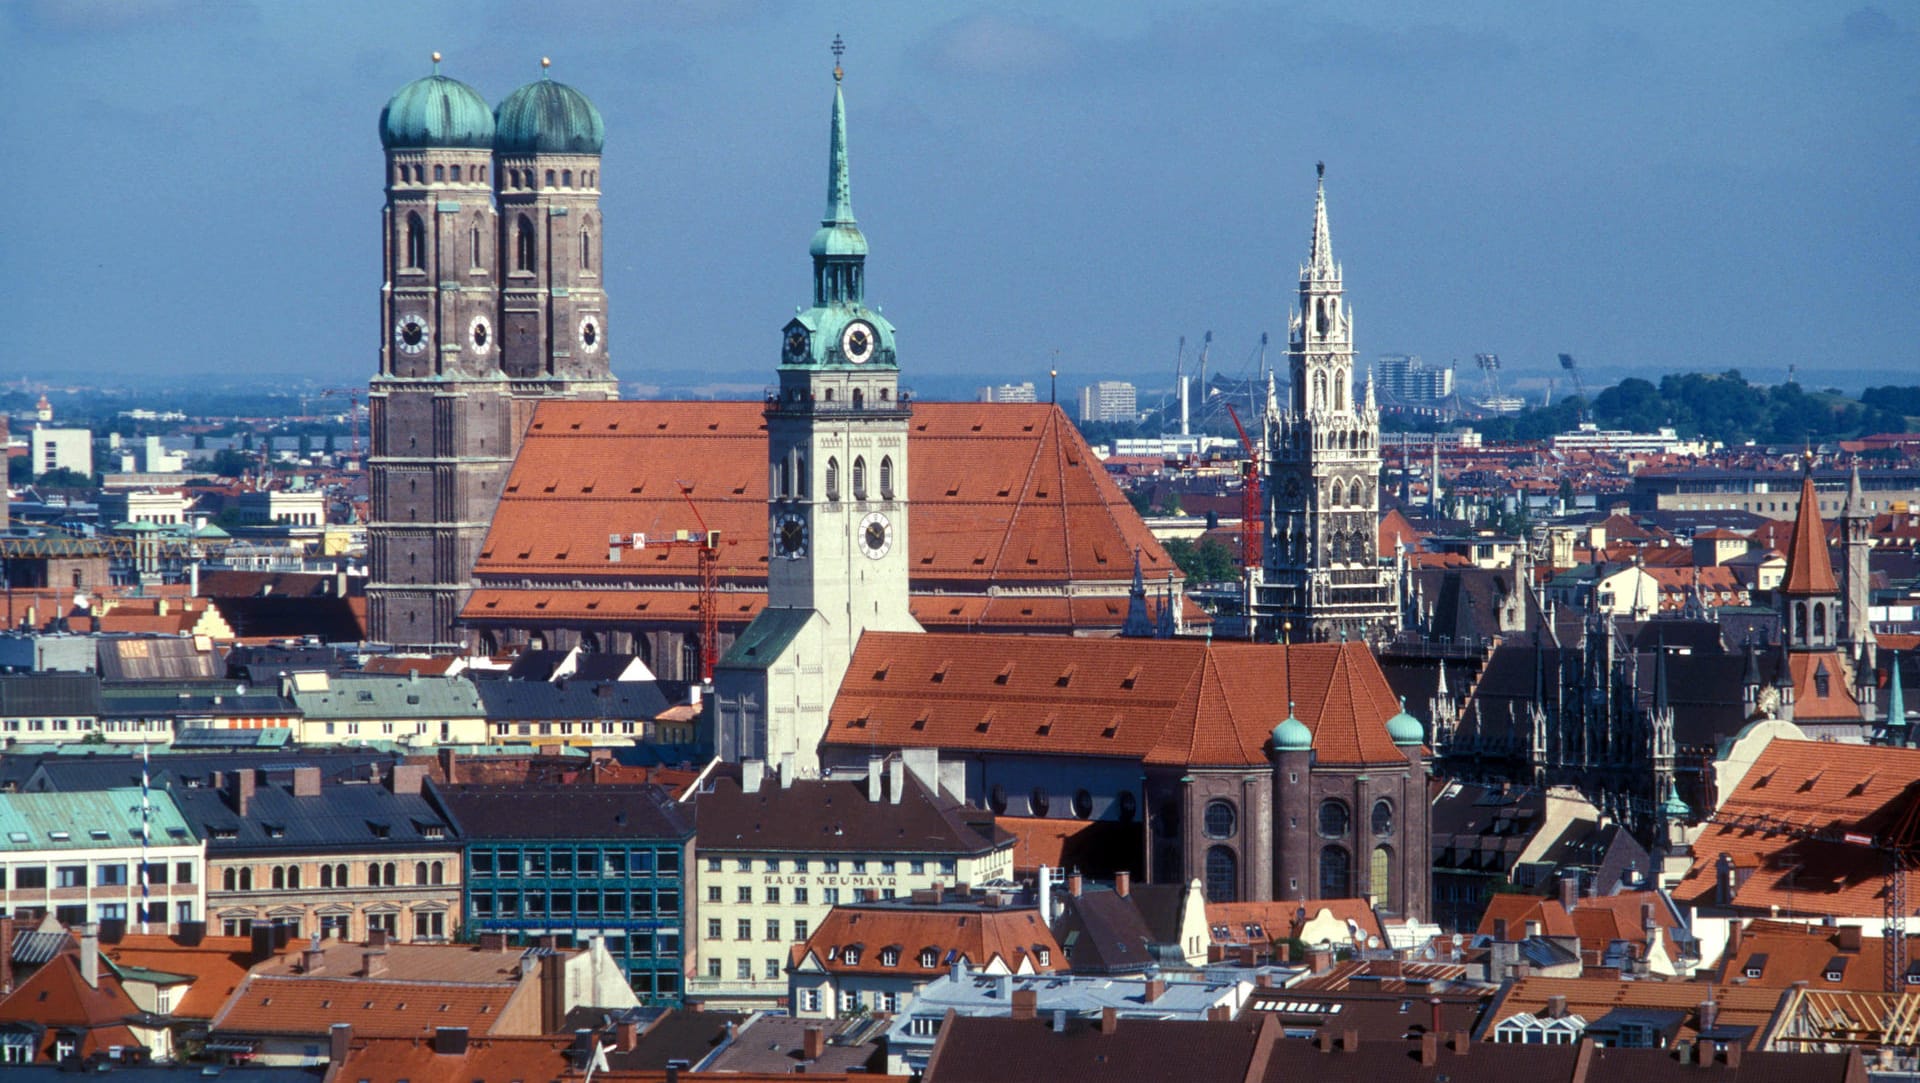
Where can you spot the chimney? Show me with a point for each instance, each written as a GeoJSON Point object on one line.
{"type": "Point", "coordinates": [1122, 883]}
{"type": "Point", "coordinates": [1433, 1016]}
{"type": "Point", "coordinates": [786, 762]}
{"type": "Point", "coordinates": [1059, 1020]}
{"type": "Point", "coordinates": [1319, 960]}
{"type": "Point", "coordinates": [1026, 1003]}
{"type": "Point", "coordinates": [1557, 1006]}
{"type": "Point", "coordinates": [1220, 1013]}
{"type": "Point", "coordinates": [896, 779]}
{"type": "Point", "coordinates": [1709, 1015]}
{"type": "Point", "coordinates": [1569, 891]}
{"type": "Point", "coordinates": [493, 941]}
{"type": "Point", "coordinates": [1109, 1019]}
{"type": "Point", "coordinates": [1460, 1043]}
{"type": "Point", "coordinates": [312, 961]}
{"type": "Point", "coordinates": [339, 1037]}
{"type": "Point", "coordinates": [241, 790]}
{"type": "Point", "coordinates": [373, 964]}
{"type": "Point", "coordinates": [1848, 938]}
{"type": "Point", "coordinates": [376, 938]}
{"type": "Point", "coordinates": [1500, 929]}
{"type": "Point", "coordinates": [450, 766]}
{"type": "Point", "coordinates": [1429, 1049]}
{"type": "Point", "coordinates": [306, 782]}
{"type": "Point", "coordinates": [262, 943]}
{"type": "Point", "coordinates": [6, 955]}
{"type": "Point", "coordinates": [1350, 1041]}
{"type": "Point", "coordinates": [875, 767]}
{"type": "Point", "coordinates": [553, 993]}
{"type": "Point", "coordinates": [1731, 1051]}
{"type": "Point", "coordinates": [90, 955]}
{"type": "Point", "coordinates": [1156, 988]}
{"type": "Point", "coordinates": [405, 778]}
{"type": "Point", "coordinates": [626, 1035]}
{"type": "Point", "coordinates": [813, 1043]}
{"type": "Point", "coordinates": [1074, 883]}
{"type": "Point", "coordinates": [450, 1041]}
{"type": "Point", "coordinates": [752, 774]}
{"type": "Point", "coordinates": [1323, 1039]}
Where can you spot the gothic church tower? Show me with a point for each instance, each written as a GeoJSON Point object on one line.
{"type": "Point", "coordinates": [1323, 577]}
{"type": "Point", "coordinates": [836, 512]}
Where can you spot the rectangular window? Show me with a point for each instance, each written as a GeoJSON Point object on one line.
{"type": "Point", "coordinates": [110, 876]}
{"type": "Point", "coordinates": [773, 864]}
{"type": "Point", "coordinates": [800, 865]}
{"type": "Point", "coordinates": [849, 1001]}
{"type": "Point", "coordinates": [773, 894]}
{"type": "Point", "coordinates": [113, 911]}
{"type": "Point", "coordinates": [713, 928]}
{"type": "Point", "coordinates": [809, 1000]}
{"type": "Point", "coordinates": [163, 1000]}
{"type": "Point", "coordinates": [949, 868]}
{"type": "Point", "coordinates": [743, 929]}
{"type": "Point", "coordinates": [859, 868]}
{"type": "Point", "coordinates": [669, 861]}
{"type": "Point", "coordinates": [713, 864]}
{"type": "Point", "coordinates": [483, 862]}
{"type": "Point", "coordinates": [713, 893]}
{"type": "Point", "coordinates": [429, 925]}
{"type": "Point", "coordinates": [563, 862]}
{"type": "Point", "coordinates": [70, 915]}
{"type": "Point", "coordinates": [70, 876]}
{"type": "Point", "coordinates": [713, 968]}
{"type": "Point", "coordinates": [800, 931]}
{"type": "Point", "coordinates": [640, 862]}
{"type": "Point", "coordinates": [744, 864]}
{"type": "Point", "coordinates": [182, 912]}
{"type": "Point", "coordinates": [508, 862]}
{"type": "Point", "coordinates": [888, 1002]}
{"type": "Point", "coordinates": [745, 894]}
{"type": "Point", "coordinates": [831, 895]}
{"type": "Point", "coordinates": [156, 872]}
{"type": "Point", "coordinates": [800, 896]}
{"type": "Point", "coordinates": [773, 928]}
{"type": "Point", "coordinates": [743, 969]}
{"type": "Point", "coordinates": [831, 865]}
{"type": "Point", "coordinates": [669, 904]}
{"type": "Point", "coordinates": [886, 868]}
{"type": "Point", "coordinates": [773, 970]}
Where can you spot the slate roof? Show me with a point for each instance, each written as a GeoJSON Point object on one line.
{"type": "Point", "coordinates": [541, 700]}
{"type": "Point", "coordinates": [1001, 1050]}
{"type": "Point", "coordinates": [68, 772]}
{"type": "Point", "coordinates": [358, 816]}
{"type": "Point", "coordinates": [364, 696]}
{"type": "Point", "coordinates": [775, 1044]}
{"type": "Point", "coordinates": [1179, 702]}
{"type": "Point", "coordinates": [1105, 933]}
{"type": "Point", "coordinates": [57, 695]}
{"type": "Point", "coordinates": [824, 815]}
{"type": "Point", "coordinates": [556, 811]}
{"type": "Point", "coordinates": [1002, 493]}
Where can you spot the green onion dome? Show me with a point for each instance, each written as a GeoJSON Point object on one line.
{"type": "Point", "coordinates": [546, 117]}
{"type": "Point", "coordinates": [437, 111]}
{"type": "Point", "coordinates": [1405, 729]}
{"type": "Point", "coordinates": [1292, 735]}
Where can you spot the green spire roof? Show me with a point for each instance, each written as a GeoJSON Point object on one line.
{"type": "Point", "coordinates": [838, 235]}
{"type": "Point", "coordinates": [1896, 699]}
{"type": "Point", "coordinates": [436, 111]}
{"type": "Point", "coordinates": [545, 117]}
{"type": "Point", "coordinates": [1405, 729]}
{"type": "Point", "coordinates": [1292, 735]}
{"type": "Point", "coordinates": [1673, 808]}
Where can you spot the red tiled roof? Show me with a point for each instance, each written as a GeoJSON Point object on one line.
{"type": "Point", "coordinates": [1181, 701]}
{"type": "Point", "coordinates": [1808, 704]}
{"type": "Point", "coordinates": [274, 1004]}
{"type": "Point", "coordinates": [1593, 998]}
{"type": "Point", "coordinates": [1781, 953]}
{"type": "Point", "coordinates": [1809, 564]}
{"type": "Point", "coordinates": [1061, 843]}
{"type": "Point", "coordinates": [1015, 937]}
{"type": "Point", "coordinates": [1001, 493]}
{"type": "Point", "coordinates": [1517, 910]}
{"type": "Point", "coordinates": [57, 996]}
{"type": "Point", "coordinates": [217, 965]}
{"type": "Point", "coordinates": [1814, 785]}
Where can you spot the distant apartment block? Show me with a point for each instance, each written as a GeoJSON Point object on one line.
{"type": "Point", "coordinates": [1772, 493]}
{"type": "Point", "coordinates": [142, 455]}
{"type": "Point", "coordinates": [1591, 437]}
{"type": "Point", "coordinates": [166, 508]}
{"type": "Point", "coordinates": [1424, 442]}
{"type": "Point", "coordinates": [1023, 392]}
{"type": "Point", "coordinates": [1405, 378]}
{"type": "Point", "coordinates": [286, 507]}
{"type": "Point", "coordinates": [1108, 400]}
{"type": "Point", "coordinates": [55, 449]}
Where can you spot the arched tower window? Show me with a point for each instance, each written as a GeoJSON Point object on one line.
{"type": "Point", "coordinates": [859, 398]}
{"type": "Point", "coordinates": [1319, 390]}
{"type": "Point", "coordinates": [1334, 819]}
{"type": "Point", "coordinates": [1380, 877]}
{"type": "Point", "coordinates": [886, 477]}
{"type": "Point", "coordinates": [781, 486]}
{"type": "Point", "coordinates": [473, 244]}
{"type": "Point", "coordinates": [1799, 620]}
{"type": "Point", "coordinates": [1219, 820]}
{"type": "Point", "coordinates": [859, 477]}
{"type": "Point", "coordinates": [523, 245]}
{"type": "Point", "coordinates": [416, 242]}
{"type": "Point", "coordinates": [566, 178]}
{"type": "Point", "coordinates": [833, 478]}
{"type": "Point", "coordinates": [1336, 872]}
{"type": "Point", "coordinates": [800, 475]}
{"type": "Point", "coordinates": [1223, 875]}
{"type": "Point", "coordinates": [439, 172]}
{"type": "Point", "coordinates": [1340, 390]}
{"type": "Point", "coordinates": [1819, 622]}
{"type": "Point", "coordinates": [1383, 818]}
{"type": "Point", "coordinates": [586, 251]}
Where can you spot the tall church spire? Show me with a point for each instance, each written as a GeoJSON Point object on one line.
{"type": "Point", "coordinates": [1320, 252]}
{"type": "Point", "coordinates": [839, 182]}
{"type": "Point", "coordinates": [839, 248]}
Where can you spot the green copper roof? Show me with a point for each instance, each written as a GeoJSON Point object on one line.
{"type": "Point", "coordinates": [546, 117]}
{"type": "Point", "coordinates": [1404, 728]}
{"type": "Point", "coordinates": [1673, 808]}
{"type": "Point", "coordinates": [838, 235]}
{"type": "Point", "coordinates": [1896, 699]}
{"type": "Point", "coordinates": [1292, 735]}
{"type": "Point", "coordinates": [436, 111]}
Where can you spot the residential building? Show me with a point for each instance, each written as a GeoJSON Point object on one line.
{"type": "Point", "coordinates": [114, 855]}
{"type": "Point", "coordinates": [584, 862]}
{"type": "Point", "coordinates": [48, 708]}
{"type": "Point", "coordinates": [1323, 578]}
{"type": "Point", "coordinates": [411, 710]}
{"type": "Point", "coordinates": [571, 712]}
{"type": "Point", "coordinates": [61, 449]}
{"type": "Point", "coordinates": [874, 956]}
{"type": "Point", "coordinates": [1130, 928]}
{"type": "Point", "coordinates": [1832, 959]}
{"type": "Point", "coordinates": [1020, 392]}
{"type": "Point", "coordinates": [1109, 400]}
{"type": "Point", "coordinates": [778, 854]}
{"type": "Point", "coordinates": [168, 507]}
{"type": "Point", "coordinates": [303, 510]}
{"type": "Point", "coordinates": [1405, 378]}
{"type": "Point", "coordinates": [338, 856]}
{"type": "Point", "coordinates": [1773, 493]}
{"type": "Point", "coordinates": [73, 1010]}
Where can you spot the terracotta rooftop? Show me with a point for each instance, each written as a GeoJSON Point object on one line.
{"type": "Point", "coordinates": [217, 965]}
{"type": "Point", "coordinates": [1182, 701]}
{"type": "Point", "coordinates": [924, 941]}
{"type": "Point", "coordinates": [1001, 493]}
{"type": "Point", "coordinates": [1593, 997]}
{"type": "Point", "coordinates": [1776, 954]}
{"type": "Point", "coordinates": [1809, 564]}
{"type": "Point", "coordinates": [1816, 785]}
{"type": "Point", "coordinates": [56, 995]}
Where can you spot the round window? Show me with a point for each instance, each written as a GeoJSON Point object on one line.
{"type": "Point", "coordinates": [1037, 801]}
{"type": "Point", "coordinates": [1082, 804]}
{"type": "Point", "coordinates": [1334, 820]}
{"type": "Point", "coordinates": [997, 799]}
{"type": "Point", "coordinates": [1218, 820]}
{"type": "Point", "coordinates": [1128, 805]}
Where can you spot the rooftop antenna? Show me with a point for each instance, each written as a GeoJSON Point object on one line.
{"type": "Point", "coordinates": [839, 48]}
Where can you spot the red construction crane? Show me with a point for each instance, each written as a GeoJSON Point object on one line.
{"type": "Point", "coordinates": [1253, 532]}
{"type": "Point", "coordinates": [705, 544]}
{"type": "Point", "coordinates": [1893, 833]}
{"type": "Point", "coordinates": [353, 410]}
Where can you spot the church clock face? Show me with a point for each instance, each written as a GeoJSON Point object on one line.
{"type": "Point", "coordinates": [480, 333]}
{"type": "Point", "coordinates": [876, 535]}
{"type": "Point", "coordinates": [590, 334]}
{"type": "Point", "coordinates": [857, 342]}
{"type": "Point", "coordinates": [411, 334]}
{"type": "Point", "coordinates": [794, 350]}
{"type": "Point", "coordinates": [790, 536]}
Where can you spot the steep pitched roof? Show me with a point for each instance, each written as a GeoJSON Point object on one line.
{"type": "Point", "coordinates": [830, 815]}
{"type": "Point", "coordinates": [1184, 701]}
{"type": "Point", "coordinates": [1593, 998]}
{"type": "Point", "coordinates": [1001, 493]}
{"type": "Point", "coordinates": [982, 935]}
{"type": "Point", "coordinates": [1809, 564]}
{"type": "Point", "coordinates": [1776, 954]}
{"type": "Point", "coordinates": [58, 996]}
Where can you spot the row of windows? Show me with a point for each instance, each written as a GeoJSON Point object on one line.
{"type": "Point", "coordinates": [78, 914]}
{"type": "Point", "coordinates": [791, 480]}
{"type": "Point", "coordinates": [565, 729]}
{"type": "Point", "coordinates": [743, 929]}
{"type": "Point", "coordinates": [1080, 804]}
{"type": "Point", "coordinates": [637, 903]}
{"type": "Point", "coordinates": [111, 874]}
{"type": "Point", "coordinates": [852, 1001]}
{"type": "Point", "coordinates": [948, 867]}
{"type": "Point", "coordinates": [568, 862]}
{"type": "Point", "coordinates": [44, 725]}
{"type": "Point", "coordinates": [416, 173]}
{"type": "Point", "coordinates": [525, 245]}
{"type": "Point", "coordinates": [528, 178]}
{"type": "Point", "coordinates": [289, 877]}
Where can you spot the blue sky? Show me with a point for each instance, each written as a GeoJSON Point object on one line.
{"type": "Point", "coordinates": [1650, 186]}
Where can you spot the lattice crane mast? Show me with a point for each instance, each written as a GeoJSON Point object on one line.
{"type": "Point", "coordinates": [1253, 532]}
{"type": "Point", "coordinates": [705, 544]}
{"type": "Point", "coordinates": [1898, 843]}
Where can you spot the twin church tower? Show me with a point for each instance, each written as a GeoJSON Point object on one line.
{"type": "Point", "coordinates": [493, 301]}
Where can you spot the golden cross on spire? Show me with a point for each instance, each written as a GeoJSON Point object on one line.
{"type": "Point", "coordinates": [838, 48]}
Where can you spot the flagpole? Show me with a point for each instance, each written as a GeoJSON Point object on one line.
{"type": "Point", "coordinates": [146, 832]}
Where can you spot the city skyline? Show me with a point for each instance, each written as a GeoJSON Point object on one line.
{"type": "Point", "coordinates": [1660, 191]}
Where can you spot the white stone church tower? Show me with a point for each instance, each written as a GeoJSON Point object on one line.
{"type": "Point", "coordinates": [837, 505]}
{"type": "Point", "coordinates": [1323, 578]}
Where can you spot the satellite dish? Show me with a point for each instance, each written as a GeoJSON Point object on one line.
{"type": "Point", "coordinates": [1458, 940]}
{"type": "Point", "coordinates": [1373, 941]}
